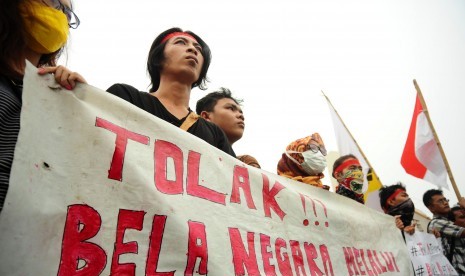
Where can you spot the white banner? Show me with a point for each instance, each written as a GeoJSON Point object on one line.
{"type": "Point", "coordinates": [427, 257]}
{"type": "Point", "coordinates": [99, 187]}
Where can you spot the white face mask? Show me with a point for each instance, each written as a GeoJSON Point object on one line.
{"type": "Point", "coordinates": [314, 162]}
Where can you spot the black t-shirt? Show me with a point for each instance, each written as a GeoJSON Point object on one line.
{"type": "Point", "coordinates": [205, 130]}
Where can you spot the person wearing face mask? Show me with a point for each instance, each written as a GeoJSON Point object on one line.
{"type": "Point", "coordinates": [304, 161]}
{"type": "Point", "coordinates": [348, 173]}
{"type": "Point", "coordinates": [396, 202]}
{"type": "Point", "coordinates": [35, 31]}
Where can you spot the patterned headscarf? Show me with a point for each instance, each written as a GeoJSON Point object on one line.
{"type": "Point", "coordinates": [287, 168]}
{"type": "Point", "coordinates": [249, 160]}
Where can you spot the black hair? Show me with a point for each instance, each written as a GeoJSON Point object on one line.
{"type": "Point", "coordinates": [451, 215]}
{"type": "Point", "coordinates": [208, 102]}
{"type": "Point", "coordinates": [340, 160]}
{"type": "Point", "coordinates": [428, 196]}
{"type": "Point", "coordinates": [386, 191]}
{"type": "Point", "coordinates": [156, 58]}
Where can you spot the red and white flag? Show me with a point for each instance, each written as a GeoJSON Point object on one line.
{"type": "Point", "coordinates": [421, 157]}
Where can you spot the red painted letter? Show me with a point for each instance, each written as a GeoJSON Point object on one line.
{"type": "Point", "coordinates": [122, 135]}
{"type": "Point", "coordinates": [298, 257]}
{"type": "Point", "coordinates": [389, 264]}
{"type": "Point", "coordinates": [358, 261]}
{"type": "Point", "coordinates": [127, 219]}
{"type": "Point", "coordinates": [394, 261]}
{"type": "Point", "coordinates": [284, 264]}
{"type": "Point", "coordinates": [193, 188]}
{"type": "Point", "coordinates": [156, 238]}
{"type": "Point", "coordinates": [350, 261]}
{"type": "Point", "coordinates": [269, 201]}
{"type": "Point", "coordinates": [197, 248]}
{"type": "Point", "coordinates": [241, 180]}
{"type": "Point", "coordinates": [240, 256]}
{"type": "Point", "coordinates": [383, 268]}
{"type": "Point", "coordinates": [373, 264]}
{"type": "Point", "coordinates": [82, 223]}
{"type": "Point", "coordinates": [362, 255]}
{"type": "Point", "coordinates": [326, 260]}
{"type": "Point", "coordinates": [163, 151]}
{"type": "Point", "coordinates": [312, 254]}
{"type": "Point", "coordinates": [266, 255]}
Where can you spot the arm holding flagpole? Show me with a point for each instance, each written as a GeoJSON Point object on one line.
{"type": "Point", "coordinates": [443, 155]}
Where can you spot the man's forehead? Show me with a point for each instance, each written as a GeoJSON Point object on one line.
{"type": "Point", "coordinates": [403, 193]}
{"type": "Point", "coordinates": [185, 37]}
{"type": "Point", "coordinates": [352, 162]}
{"type": "Point", "coordinates": [437, 197]}
{"type": "Point", "coordinates": [346, 164]}
{"type": "Point", "coordinates": [180, 35]}
{"type": "Point", "coordinates": [228, 101]}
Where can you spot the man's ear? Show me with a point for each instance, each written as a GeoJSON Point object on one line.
{"type": "Point", "coordinates": [390, 202]}
{"type": "Point", "coordinates": [205, 115]}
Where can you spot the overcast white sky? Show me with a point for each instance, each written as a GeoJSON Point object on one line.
{"type": "Point", "coordinates": [278, 55]}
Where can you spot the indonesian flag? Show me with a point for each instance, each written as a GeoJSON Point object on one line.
{"type": "Point", "coordinates": [347, 145]}
{"type": "Point", "coordinates": [421, 157]}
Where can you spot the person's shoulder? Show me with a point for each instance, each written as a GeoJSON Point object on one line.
{"type": "Point", "coordinates": [439, 221]}
{"type": "Point", "coordinates": [220, 139]}
{"type": "Point", "coordinates": [130, 94]}
{"type": "Point", "coordinates": [445, 226]}
{"type": "Point", "coordinates": [7, 92]}
{"type": "Point", "coordinates": [4, 85]}
{"type": "Point", "coordinates": [209, 125]}
{"type": "Point", "coordinates": [216, 130]}
{"type": "Point", "coordinates": [122, 87]}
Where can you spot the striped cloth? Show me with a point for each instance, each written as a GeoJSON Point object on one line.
{"type": "Point", "coordinates": [450, 233]}
{"type": "Point", "coordinates": [10, 109]}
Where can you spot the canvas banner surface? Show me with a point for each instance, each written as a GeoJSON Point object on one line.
{"type": "Point", "coordinates": [100, 187]}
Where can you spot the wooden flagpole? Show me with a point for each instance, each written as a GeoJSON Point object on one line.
{"type": "Point", "coordinates": [351, 136]}
{"type": "Point", "coordinates": [436, 138]}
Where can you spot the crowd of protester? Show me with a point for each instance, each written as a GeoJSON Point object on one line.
{"type": "Point", "coordinates": [178, 61]}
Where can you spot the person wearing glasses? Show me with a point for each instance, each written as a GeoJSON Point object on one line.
{"type": "Point", "coordinates": [452, 235]}
{"type": "Point", "coordinates": [36, 31]}
{"type": "Point", "coordinates": [177, 62]}
{"type": "Point", "coordinates": [349, 175]}
{"type": "Point", "coordinates": [304, 161]}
